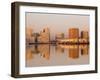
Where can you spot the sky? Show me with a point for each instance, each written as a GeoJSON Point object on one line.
{"type": "Point", "coordinates": [57, 23]}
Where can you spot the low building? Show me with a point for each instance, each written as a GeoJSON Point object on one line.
{"type": "Point", "coordinates": [67, 41]}
{"type": "Point", "coordinates": [59, 36]}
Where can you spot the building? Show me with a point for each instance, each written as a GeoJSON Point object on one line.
{"type": "Point", "coordinates": [85, 34]}
{"type": "Point", "coordinates": [74, 34]}
{"type": "Point", "coordinates": [59, 36]}
{"type": "Point", "coordinates": [29, 33]}
{"type": "Point", "coordinates": [44, 36]}
{"type": "Point", "coordinates": [84, 37]}
{"type": "Point", "coordinates": [67, 41]}
{"type": "Point", "coordinates": [36, 35]}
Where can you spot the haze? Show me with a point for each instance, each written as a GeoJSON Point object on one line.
{"type": "Point", "coordinates": [57, 23]}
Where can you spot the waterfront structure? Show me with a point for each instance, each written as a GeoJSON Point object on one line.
{"type": "Point", "coordinates": [67, 41]}
{"type": "Point", "coordinates": [59, 36]}
{"type": "Point", "coordinates": [74, 34]}
{"type": "Point", "coordinates": [72, 38]}
{"type": "Point", "coordinates": [85, 34]}
{"type": "Point", "coordinates": [29, 35]}
{"type": "Point", "coordinates": [44, 36]}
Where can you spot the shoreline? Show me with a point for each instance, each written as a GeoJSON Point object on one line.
{"type": "Point", "coordinates": [60, 43]}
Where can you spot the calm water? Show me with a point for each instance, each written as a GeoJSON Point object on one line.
{"type": "Point", "coordinates": [54, 55]}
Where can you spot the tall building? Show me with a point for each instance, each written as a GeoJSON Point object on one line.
{"type": "Point", "coordinates": [44, 36]}
{"type": "Point", "coordinates": [74, 34]}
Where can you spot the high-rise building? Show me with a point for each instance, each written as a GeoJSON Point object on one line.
{"type": "Point", "coordinates": [44, 36]}
{"type": "Point", "coordinates": [74, 34]}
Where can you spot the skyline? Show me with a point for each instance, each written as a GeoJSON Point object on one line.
{"type": "Point", "coordinates": [57, 23]}
{"type": "Point", "coordinates": [44, 37]}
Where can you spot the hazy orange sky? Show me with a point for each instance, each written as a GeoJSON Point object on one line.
{"type": "Point", "coordinates": [57, 22]}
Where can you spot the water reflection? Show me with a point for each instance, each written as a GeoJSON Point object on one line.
{"type": "Point", "coordinates": [52, 55]}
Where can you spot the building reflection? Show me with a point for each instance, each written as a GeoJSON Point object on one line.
{"type": "Point", "coordinates": [74, 52]}
{"type": "Point", "coordinates": [84, 50]}
{"type": "Point", "coordinates": [59, 49]}
{"type": "Point", "coordinates": [29, 52]}
{"type": "Point", "coordinates": [44, 51]}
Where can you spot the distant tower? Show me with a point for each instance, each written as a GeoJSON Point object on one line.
{"type": "Point", "coordinates": [74, 34]}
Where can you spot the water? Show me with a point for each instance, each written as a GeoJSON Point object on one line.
{"type": "Point", "coordinates": [56, 55]}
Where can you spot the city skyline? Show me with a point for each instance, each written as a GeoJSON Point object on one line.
{"type": "Point", "coordinates": [57, 23]}
{"type": "Point", "coordinates": [44, 37]}
{"type": "Point", "coordinates": [56, 39]}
